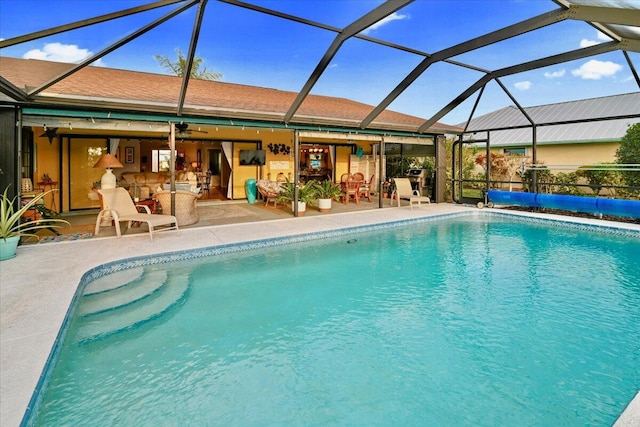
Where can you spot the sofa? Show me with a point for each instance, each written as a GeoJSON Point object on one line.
{"type": "Point", "coordinates": [150, 181]}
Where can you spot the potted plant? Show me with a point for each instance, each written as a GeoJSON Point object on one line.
{"type": "Point", "coordinates": [306, 194]}
{"type": "Point", "coordinates": [13, 226]}
{"type": "Point", "coordinates": [326, 192]}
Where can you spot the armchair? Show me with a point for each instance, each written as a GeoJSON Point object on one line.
{"type": "Point", "coordinates": [269, 191]}
{"type": "Point", "coordinates": [185, 209]}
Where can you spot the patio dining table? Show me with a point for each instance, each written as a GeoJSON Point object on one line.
{"type": "Point", "coordinates": [351, 189]}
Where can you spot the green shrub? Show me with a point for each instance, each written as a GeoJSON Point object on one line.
{"type": "Point", "coordinates": [629, 153]}
{"type": "Point", "coordinates": [565, 183]}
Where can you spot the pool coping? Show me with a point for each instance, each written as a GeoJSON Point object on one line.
{"type": "Point", "coordinates": [33, 312]}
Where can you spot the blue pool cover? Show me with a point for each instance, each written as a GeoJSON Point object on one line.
{"type": "Point", "coordinates": [595, 205]}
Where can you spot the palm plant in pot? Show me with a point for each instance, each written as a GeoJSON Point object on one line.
{"type": "Point", "coordinates": [306, 194]}
{"type": "Point", "coordinates": [13, 225]}
{"type": "Point", "coordinates": [326, 192]}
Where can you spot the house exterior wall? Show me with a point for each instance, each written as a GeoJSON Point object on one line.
{"type": "Point", "coordinates": [586, 153]}
{"type": "Point", "coordinates": [577, 154]}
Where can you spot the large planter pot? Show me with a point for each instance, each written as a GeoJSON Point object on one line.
{"type": "Point", "coordinates": [324, 205]}
{"type": "Point", "coordinates": [252, 190]}
{"type": "Point", "coordinates": [8, 247]}
{"type": "Point", "coordinates": [302, 207]}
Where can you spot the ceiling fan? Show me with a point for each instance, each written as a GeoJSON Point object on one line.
{"type": "Point", "coordinates": [182, 130]}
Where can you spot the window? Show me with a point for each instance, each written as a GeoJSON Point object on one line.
{"type": "Point", "coordinates": [516, 151]}
{"type": "Point", "coordinates": [160, 160]}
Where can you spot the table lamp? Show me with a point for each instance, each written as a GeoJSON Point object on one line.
{"type": "Point", "coordinates": [108, 161]}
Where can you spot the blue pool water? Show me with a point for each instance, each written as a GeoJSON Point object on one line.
{"type": "Point", "coordinates": [461, 322]}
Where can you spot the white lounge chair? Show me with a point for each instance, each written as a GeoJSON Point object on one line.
{"type": "Point", "coordinates": [405, 191]}
{"type": "Point", "coordinates": [117, 204]}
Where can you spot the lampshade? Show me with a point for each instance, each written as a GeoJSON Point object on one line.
{"type": "Point", "coordinates": [108, 161]}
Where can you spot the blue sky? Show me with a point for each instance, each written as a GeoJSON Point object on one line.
{"type": "Point", "coordinates": [256, 49]}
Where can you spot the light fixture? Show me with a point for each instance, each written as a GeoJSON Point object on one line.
{"type": "Point", "coordinates": [108, 161]}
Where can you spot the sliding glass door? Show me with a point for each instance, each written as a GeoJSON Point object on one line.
{"type": "Point", "coordinates": [83, 154]}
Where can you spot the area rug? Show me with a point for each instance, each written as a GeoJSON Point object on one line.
{"type": "Point", "coordinates": [218, 212]}
{"type": "Point", "coordinates": [65, 237]}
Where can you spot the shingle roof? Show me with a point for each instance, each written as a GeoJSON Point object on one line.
{"type": "Point", "coordinates": [154, 92]}
{"type": "Point", "coordinates": [587, 131]}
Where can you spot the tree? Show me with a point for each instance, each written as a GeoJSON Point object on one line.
{"type": "Point", "coordinates": [629, 153]}
{"type": "Point", "coordinates": [503, 166]}
{"type": "Point", "coordinates": [180, 65]}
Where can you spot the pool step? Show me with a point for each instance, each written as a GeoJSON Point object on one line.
{"type": "Point", "coordinates": [121, 296]}
{"type": "Point", "coordinates": [113, 281]}
{"type": "Point", "coordinates": [129, 316]}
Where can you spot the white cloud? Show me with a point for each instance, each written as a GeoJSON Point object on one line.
{"type": "Point", "coordinates": [602, 37]}
{"type": "Point", "coordinates": [522, 85]}
{"type": "Point", "coordinates": [59, 52]}
{"type": "Point", "coordinates": [555, 74]}
{"type": "Point", "coordinates": [393, 17]}
{"type": "Point", "coordinates": [587, 43]}
{"type": "Point", "coordinates": [595, 70]}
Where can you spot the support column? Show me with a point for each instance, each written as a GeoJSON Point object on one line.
{"type": "Point", "coordinates": [296, 170]}
{"type": "Point", "coordinates": [381, 158]}
{"type": "Point", "coordinates": [172, 165]}
{"type": "Point", "coordinates": [488, 154]}
{"type": "Point", "coordinates": [534, 159]}
{"type": "Point", "coordinates": [441, 170]}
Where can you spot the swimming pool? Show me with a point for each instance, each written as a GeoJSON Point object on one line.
{"type": "Point", "coordinates": [477, 322]}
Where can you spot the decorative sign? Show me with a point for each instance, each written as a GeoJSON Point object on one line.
{"type": "Point", "coordinates": [278, 164]}
{"type": "Point", "coordinates": [279, 148]}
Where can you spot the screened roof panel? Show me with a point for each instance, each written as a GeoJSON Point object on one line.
{"type": "Point", "coordinates": [383, 54]}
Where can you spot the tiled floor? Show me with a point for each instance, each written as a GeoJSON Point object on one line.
{"type": "Point", "coordinates": [37, 287]}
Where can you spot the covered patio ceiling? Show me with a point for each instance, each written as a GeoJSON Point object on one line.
{"type": "Point", "coordinates": [617, 19]}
